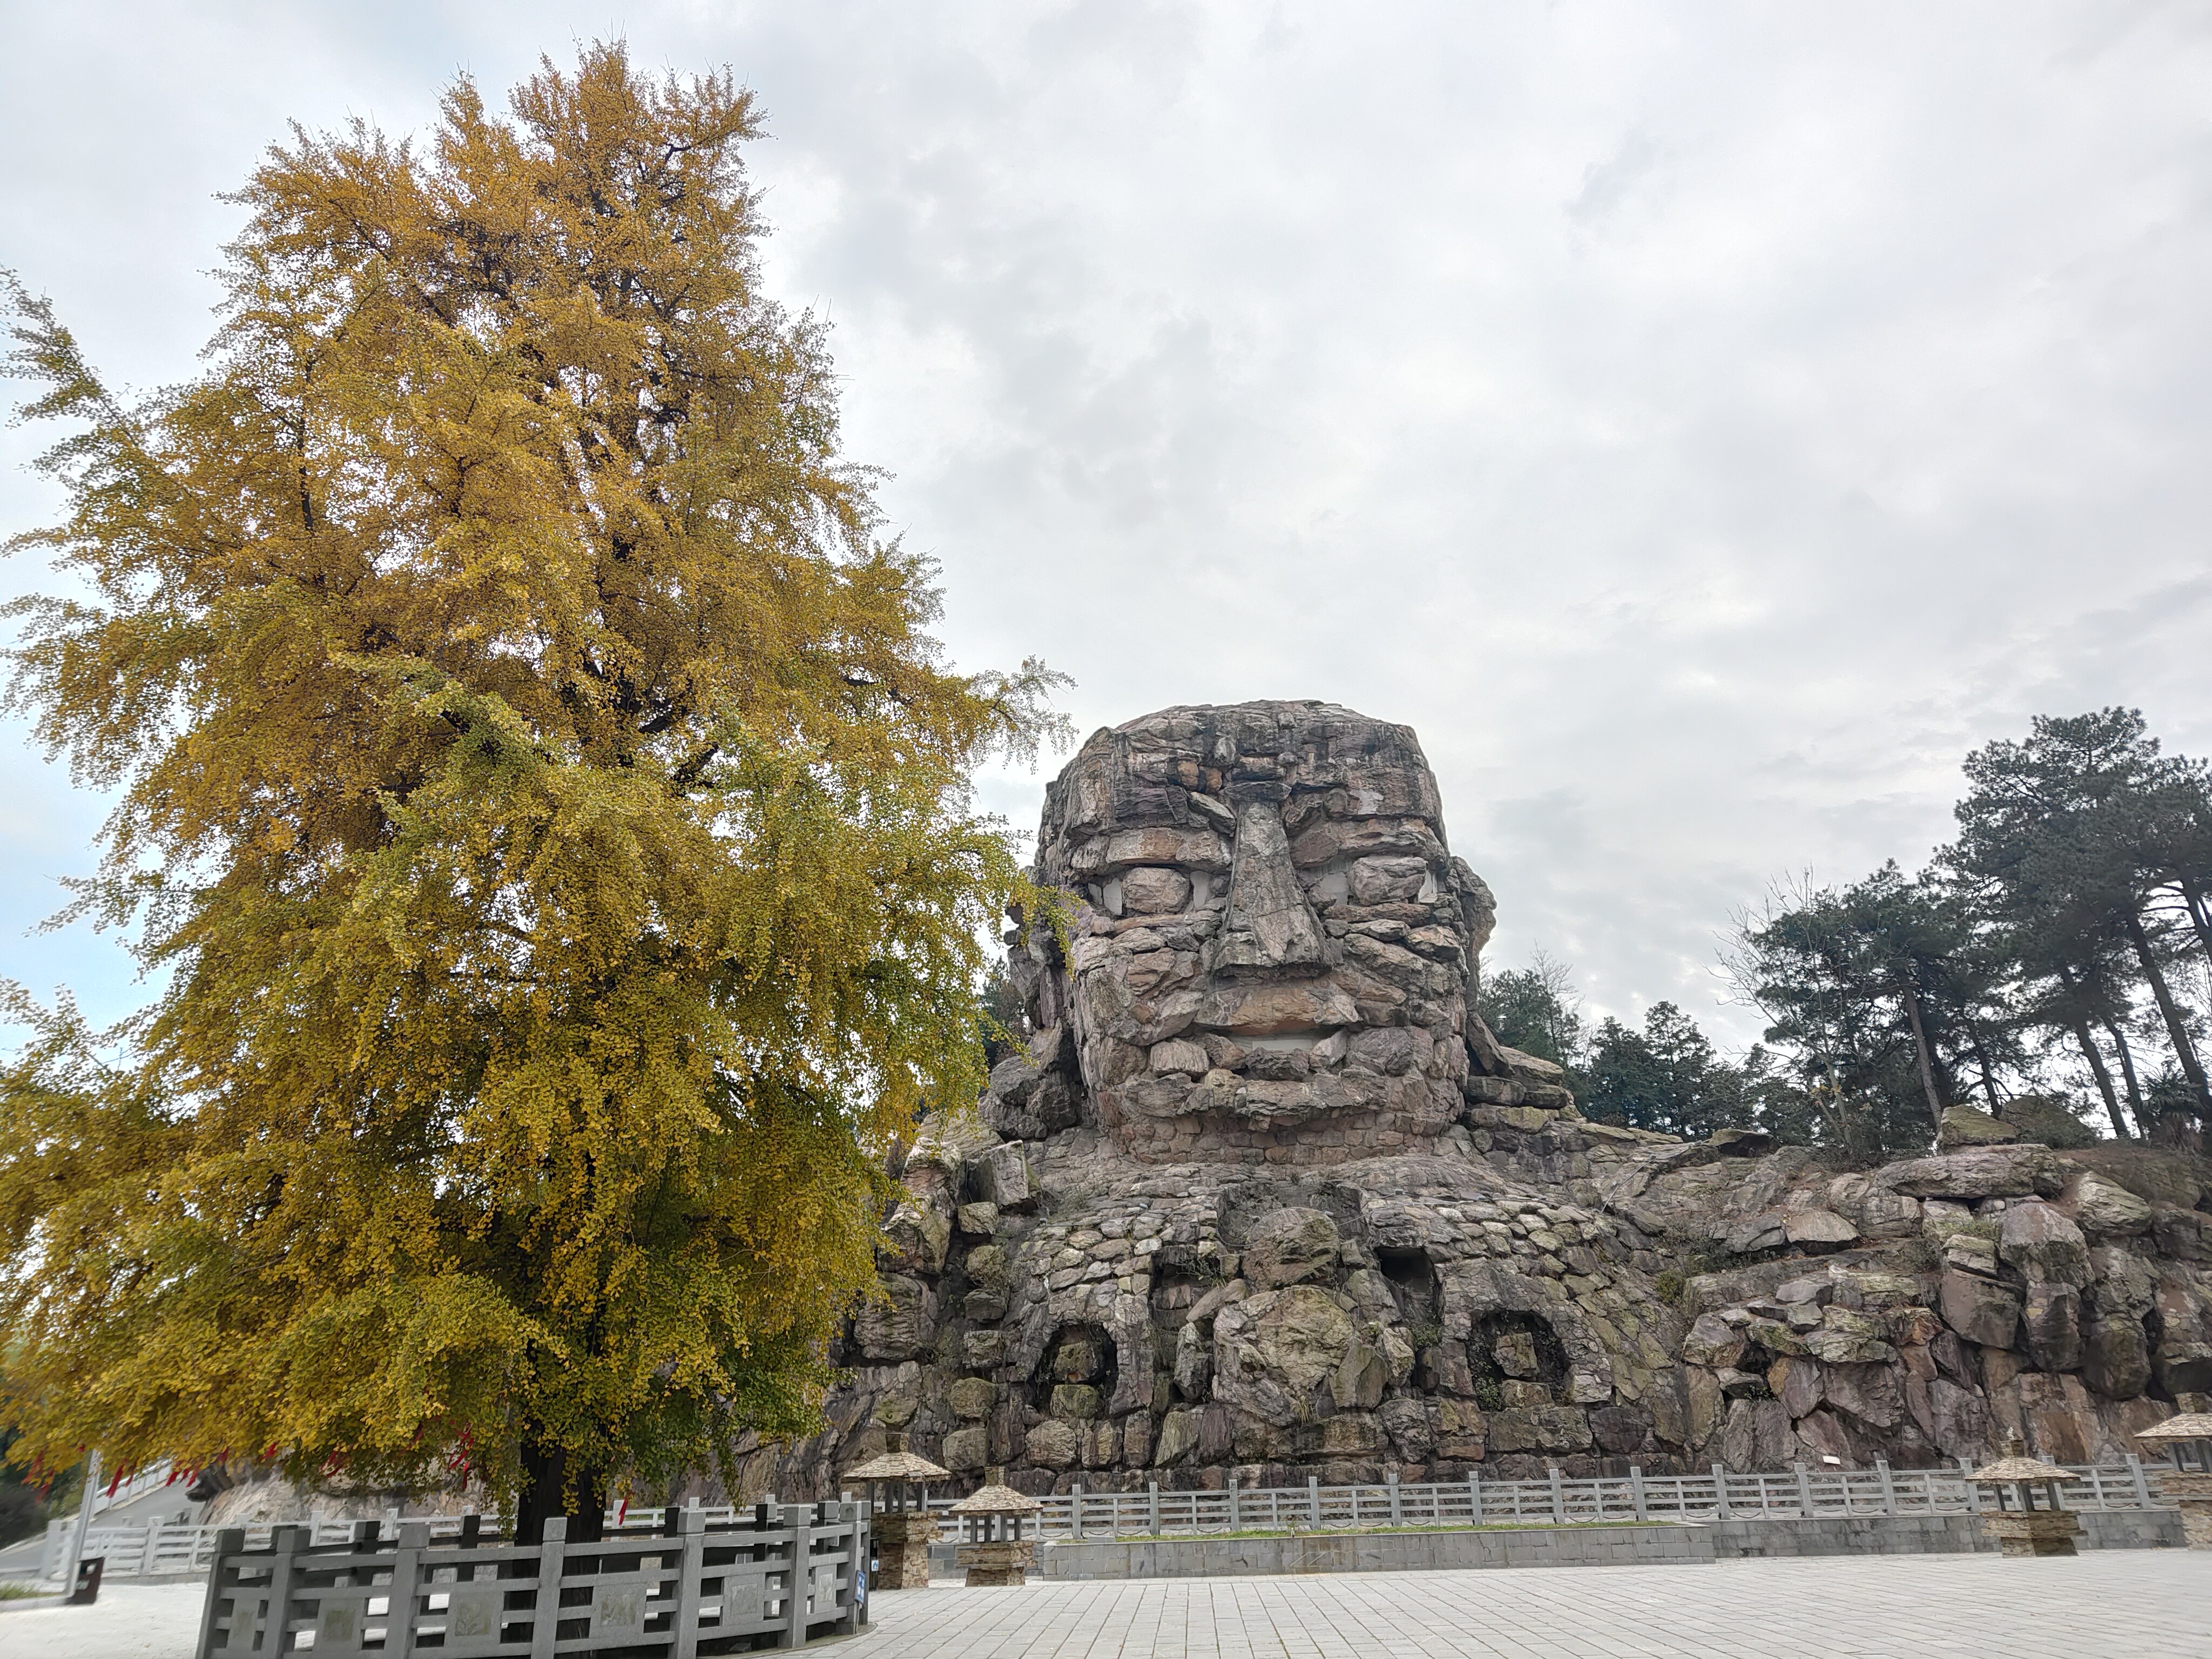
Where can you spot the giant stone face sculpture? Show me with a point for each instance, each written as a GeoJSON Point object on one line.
{"type": "Point", "coordinates": [1272, 941]}
{"type": "Point", "coordinates": [1265, 1200]}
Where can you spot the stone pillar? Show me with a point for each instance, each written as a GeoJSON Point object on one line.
{"type": "Point", "coordinates": [2190, 1491]}
{"type": "Point", "coordinates": [903, 1549]}
{"type": "Point", "coordinates": [2035, 1532]}
{"type": "Point", "coordinates": [998, 1561]}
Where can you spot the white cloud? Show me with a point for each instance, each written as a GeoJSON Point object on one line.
{"type": "Point", "coordinates": [1702, 424]}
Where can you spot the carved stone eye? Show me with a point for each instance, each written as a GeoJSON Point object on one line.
{"type": "Point", "coordinates": [1150, 890]}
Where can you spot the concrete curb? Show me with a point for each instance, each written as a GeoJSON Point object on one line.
{"type": "Point", "coordinates": [24, 1603]}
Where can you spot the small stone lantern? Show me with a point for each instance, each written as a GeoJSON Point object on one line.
{"type": "Point", "coordinates": [2188, 1438]}
{"type": "Point", "coordinates": [2022, 1527]}
{"type": "Point", "coordinates": [991, 1547]}
{"type": "Point", "coordinates": [901, 1525]}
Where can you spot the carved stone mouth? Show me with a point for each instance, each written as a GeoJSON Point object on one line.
{"type": "Point", "coordinates": [1276, 1008]}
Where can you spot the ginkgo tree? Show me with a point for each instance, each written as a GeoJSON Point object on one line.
{"type": "Point", "coordinates": [538, 783]}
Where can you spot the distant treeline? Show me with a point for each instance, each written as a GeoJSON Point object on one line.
{"type": "Point", "coordinates": [2051, 966]}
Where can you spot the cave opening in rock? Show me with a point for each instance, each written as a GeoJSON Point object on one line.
{"type": "Point", "coordinates": [1075, 1379]}
{"type": "Point", "coordinates": [1515, 1359]}
{"type": "Point", "coordinates": [1416, 1289]}
{"type": "Point", "coordinates": [1175, 1291]}
{"type": "Point", "coordinates": [2153, 1340]}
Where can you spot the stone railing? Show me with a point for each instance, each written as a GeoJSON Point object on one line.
{"type": "Point", "coordinates": [662, 1591]}
{"type": "Point", "coordinates": [184, 1550]}
{"type": "Point", "coordinates": [137, 1484]}
{"type": "Point", "coordinates": [179, 1551]}
{"type": "Point", "coordinates": [1720, 1495]}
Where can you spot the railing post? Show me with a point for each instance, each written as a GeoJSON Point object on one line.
{"type": "Point", "coordinates": [1475, 1500]}
{"type": "Point", "coordinates": [1074, 1512]}
{"type": "Point", "coordinates": [1973, 1492]}
{"type": "Point", "coordinates": [1720, 1493]}
{"type": "Point", "coordinates": [1152, 1509]}
{"type": "Point", "coordinates": [287, 1542]}
{"type": "Point", "coordinates": [1235, 1520]}
{"type": "Point", "coordinates": [1636, 1492]}
{"type": "Point", "coordinates": [1559, 1496]}
{"type": "Point", "coordinates": [1804, 1490]}
{"type": "Point", "coordinates": [856, 1563]}
{"type": "Point", "coordinates": [400, 1621]}
{"type": "Point", "coordinates": [801, 1580]}
{"type": "Point", "coordinates": [691, 1532]}
{"type": "Point", "coordinates": [1313, 1500]}
{"type": "Point", "coordinates": [2141, 1481]}
{"type": "Point", "coordinates": [2096, 1487]}
{"type": "Point", "coordinates": [545, 1617]}
{"type": "Point", "coordinates": [1394, 1510]}
{"type": "Point", "coordinates": [1888, 1489]}
{"type": "Point", "coordinates": [228, 1541]}
{"type": "Point", "coordinates": [83, 1530]}
{"type": "Point", "coordinates": [1113, 1517]}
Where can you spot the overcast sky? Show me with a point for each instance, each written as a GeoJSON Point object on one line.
{"type": "Point", "coordinates": [1702, 423]}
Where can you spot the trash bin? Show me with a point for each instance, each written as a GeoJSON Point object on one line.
{"type": "Point", "coordinates": [87, 1582]}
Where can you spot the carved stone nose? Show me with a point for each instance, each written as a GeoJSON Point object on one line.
{"type": "Point", "coordinates": [1270, 927]}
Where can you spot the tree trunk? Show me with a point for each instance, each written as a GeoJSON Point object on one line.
{"type": "Point", "coordinates": [2128, 1071]}
{"type": "Point", "coordinates": [1989, 1071]}
{"type": "Point", "coordinates": [546, 1492]}
{"type": "Point", "coordinates": [2183, 1050]}
{"type": "Point", "coordinates": [2199, 917]}
{"type": "Point", "coordinates": [1838, 1125]}
{"type": "Point", "coordinates": [2097, 1069]}
{"type": "Point", "coordinates": [2077, 1012]}
{"type": "Point", "coordinates": [1920, 1048]}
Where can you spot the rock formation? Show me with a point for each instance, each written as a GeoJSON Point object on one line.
{"type": "Point", "coordinates": [1265, 1198]}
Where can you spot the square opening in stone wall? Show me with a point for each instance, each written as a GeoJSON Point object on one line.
{"type": "Point", "coordinates": [1075, 1379]}
{"type": "Point", "coordinates": [1416, 1289]}
{"type": "Point", "coordinates": [1516, 1359]}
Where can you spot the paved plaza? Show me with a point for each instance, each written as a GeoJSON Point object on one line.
{"type": "Point", "coordinates": [2116, 1604]}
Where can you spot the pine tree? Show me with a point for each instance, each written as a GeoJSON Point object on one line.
{"type": "Point", "coordinates": [2086, 843]}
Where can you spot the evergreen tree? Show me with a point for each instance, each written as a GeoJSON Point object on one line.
{"type": "Point", "coordinates": [1666, 1078]}
{"type": "Point", "coordinates": [1886, 999]}
{"type": "Point", "coordinates": [2086, 844]}
{"type": "Point", "coordinates": [1535, 1009]}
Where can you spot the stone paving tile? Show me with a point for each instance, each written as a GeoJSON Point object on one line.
{"type": "Point", "coordinates": [2130, 1604]}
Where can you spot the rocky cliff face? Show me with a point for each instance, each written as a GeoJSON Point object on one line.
{"type": "Point", "coordinates": [1265, 1198]}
